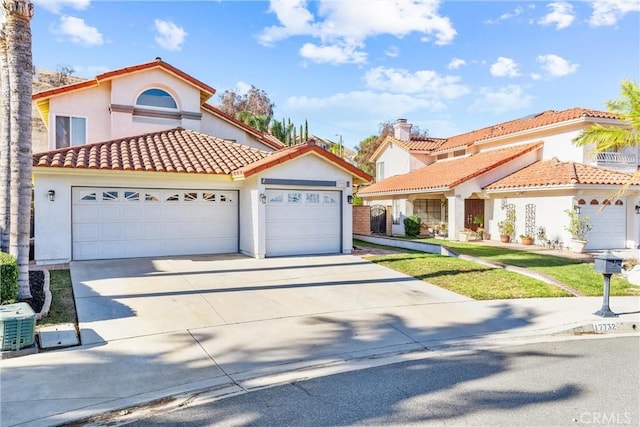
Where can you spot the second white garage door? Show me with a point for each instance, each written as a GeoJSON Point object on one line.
{"type": "Point", "coordinates": [303, 222]}
{"type": "Point", "coordinates": [608, 224]}
{"type": "Point", "coordinates": [134, 222]}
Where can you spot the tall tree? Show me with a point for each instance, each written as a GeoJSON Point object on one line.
{"type": "Point", "coordinates": [18, 14]}
{"type": "Point", "coordinates": [613, 138]}
{"type": "Point", "coordinates": [256, 101]}
{"type": "Point", "coordinates": [608, 138]}
{"type": "Point", "coordinates": [5, 144]}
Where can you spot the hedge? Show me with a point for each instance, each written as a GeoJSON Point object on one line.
{"type": "Point", "coordinates": [8, 279]}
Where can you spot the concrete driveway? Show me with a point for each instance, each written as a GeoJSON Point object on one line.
{"type": "Point", "coordinates": [126, 298]}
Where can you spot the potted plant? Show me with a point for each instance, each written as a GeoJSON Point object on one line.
{"type": "Point", "coordinates": [526, 239]}
{"type": "Point", "coordinates": [507, 226]}
{"type": "Point", "coordinates": [579, 227]}
{"type": "Point", "coordinates": [478, 220]}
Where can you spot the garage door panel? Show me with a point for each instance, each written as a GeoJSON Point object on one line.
{"type": "Point", "coordinates": [303, 222]}
{"type": "Point", "coordinates": [608, 226]}
{"type": "Point", "coordinates": [115, 223]}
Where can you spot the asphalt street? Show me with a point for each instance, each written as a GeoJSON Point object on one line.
{"type": "Point", "coordinates": [574, 382]}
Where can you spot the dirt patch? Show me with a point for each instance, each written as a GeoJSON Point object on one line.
{"type": "Point", "coordinates": [36, 284]}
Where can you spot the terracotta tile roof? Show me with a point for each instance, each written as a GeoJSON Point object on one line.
{"type": "Point", "coordinates": [206, 90]}
{"type": "Point", "coordinates": [553, 172]}
{"type": "Point", "coordinates": [425, 143]}
{"type": "Point", "coordinates": [268, 139]}
{"type": "Point", "coordinates": [545, 118]}
{"type": "Point", "coordinates": [290, 153]}
{"type": "Point", "coordinates": [177, 150]}
{"type": "Point", "coordinates": [446, 175]}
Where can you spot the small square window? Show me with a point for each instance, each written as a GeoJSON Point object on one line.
{"type": "Point", "coordinates": [294, 197]}
{"type": "Point", "coordinates": [312, 198]}
{"type": "Point", "coordinates": [109, 195]}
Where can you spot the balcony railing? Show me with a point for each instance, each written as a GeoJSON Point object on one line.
{"type": "Point", "coordinates": [618, 161]}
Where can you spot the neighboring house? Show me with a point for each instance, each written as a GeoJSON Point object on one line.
{"type": "Point", "coordinates": [529, 165]}
{"type": "Point", "coordinates": [140, 165]}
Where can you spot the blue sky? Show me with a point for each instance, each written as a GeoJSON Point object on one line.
{"type": "Point", "coordinates": [349, 65]}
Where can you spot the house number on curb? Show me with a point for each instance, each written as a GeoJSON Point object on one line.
{"type": "Point", "coordinates": [604, 326]}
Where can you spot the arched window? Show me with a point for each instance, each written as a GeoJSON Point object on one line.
{"type": "Point", "coordinates": [594, 202]}
{"type": "Point", "coordinates": [156, 98]}
{"type": "Point", "coordinates": [619, 203]}
{"type": "Point", "coordinates": [606, 202]}
{"type": "Point", "coordinates": [582, 202]}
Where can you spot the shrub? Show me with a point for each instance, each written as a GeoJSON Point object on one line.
{"type": "Point", "coordinates": [412, 225]}
{"type": "Point", "coordinates": [8, 278]}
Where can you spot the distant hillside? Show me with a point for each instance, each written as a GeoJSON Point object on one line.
{"type": "Point", "coordinates": [44, 80]}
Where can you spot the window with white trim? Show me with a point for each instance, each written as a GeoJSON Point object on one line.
{"type": "Point", "coordinates": [396, 210]}
{"type": "Point", "coordinates": [70, 131]}
{"type": "Point", "coordinates": [379, 171]}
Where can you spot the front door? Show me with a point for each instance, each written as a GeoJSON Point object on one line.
{"type": "Point", "coordinates": [472, 209]}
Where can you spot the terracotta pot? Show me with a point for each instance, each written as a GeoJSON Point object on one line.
{"type": "Point", "coordinates": [505, 238]}
{"type": "Point", "coordinates": [527, 240]}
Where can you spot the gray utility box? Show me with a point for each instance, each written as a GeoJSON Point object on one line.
{"type": "Point", "coordinates": [17, 326]}
{"type": "Point", "coordinates": [607, 263]}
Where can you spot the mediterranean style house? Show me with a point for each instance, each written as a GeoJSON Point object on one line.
{"type": "Point", "coordinates": [527, 167]}
{"type": "Point", "coordinates": [138, 164]}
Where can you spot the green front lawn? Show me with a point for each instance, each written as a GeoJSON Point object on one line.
{"type": "Point", "coordinates": [63, 307]}
{"type": "Point", "coordinates": [479, 282]}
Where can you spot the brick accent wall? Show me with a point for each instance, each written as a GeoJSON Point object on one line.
{"type": "Point", "coordinates": [361, 219]}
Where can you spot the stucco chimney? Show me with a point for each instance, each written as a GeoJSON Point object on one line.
{"type": "Point", "coordinates": [402, 130]}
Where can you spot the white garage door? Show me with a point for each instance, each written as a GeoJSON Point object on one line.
{"type": "Point", "coordinates": [609, 225]}
{"type": "Point", "coordinates": [134, 222]}
{"type": "Point", "coordinates": [303, 222]}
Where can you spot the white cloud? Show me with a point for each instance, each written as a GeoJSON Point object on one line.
{"type": "Point", "coordinates": [89, 70]}
{"type": "Point", "coordinates": [333, 54]}
{"type": "Point", "coordinates": [456, 63]}
{"type": "Point", "coordinates": [79, 32]}
{"type": "Point", "coordinates": [56, 5]}
{"type": "Point", "coordinates": [392, 51]}
{"type": "Point", "coordinates": [346, 25]}
{"type": "Point", "coordinates": [504, 67]}
{"type": "Point", "coordinates": [608, 12]}
{"type": "Point", "coordinates": [561, 15]}
{"type": "Point", "coordinates": [556, 66]}
{"type": "Point", "coordinates": [169, 35]}
{"type": "Point", "coordinates": [535, 76]}
{"type": "Point", "coordinates": [511, 97]}
{"type": "Point", "coordinates": [508, 15]}
{"type": "Point", "coordinates": [421, 83]}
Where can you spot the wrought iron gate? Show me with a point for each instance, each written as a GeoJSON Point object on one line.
{"type": "Point", "coordinates": [378, 219]}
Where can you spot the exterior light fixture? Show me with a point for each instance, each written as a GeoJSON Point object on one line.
{"type": "Point", "coordinates": [637, 209]}
{"type": "Point", "coordinates": [52, 195]}
{"type": "Point", "coordinates": [263, 198]}
{"type": "Point", "coordinates": [576, 208]}
{"type": "Point", "coordinates": [350, 199]}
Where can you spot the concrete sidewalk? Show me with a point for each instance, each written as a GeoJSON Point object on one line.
{"type": "Point", "coordinates": [60, 386]}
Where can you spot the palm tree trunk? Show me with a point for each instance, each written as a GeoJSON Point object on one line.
{"type": "Point", "coordinates": [5, 144]}
{"type": "Point", "coordinates": [18, 14]}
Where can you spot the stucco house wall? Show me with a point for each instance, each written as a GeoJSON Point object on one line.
{"type": "Point", "coordinates": [212, 125]}
{"type": "Point", "coordinates": [396, 161]}
{"type": "Point", "coordinates": [91, 104]}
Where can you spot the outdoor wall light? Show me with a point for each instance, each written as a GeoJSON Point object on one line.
{"type": "Point", "coordinates": [576, 208]}
{"type": "Point", "coordinates": [637, 209]}
{"type": "Point", "coordinates": [263, 198]}
{"type": "Point", "coordinates": [52, 195]}
{"type": "Point", "coordinates": [350, 199]}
